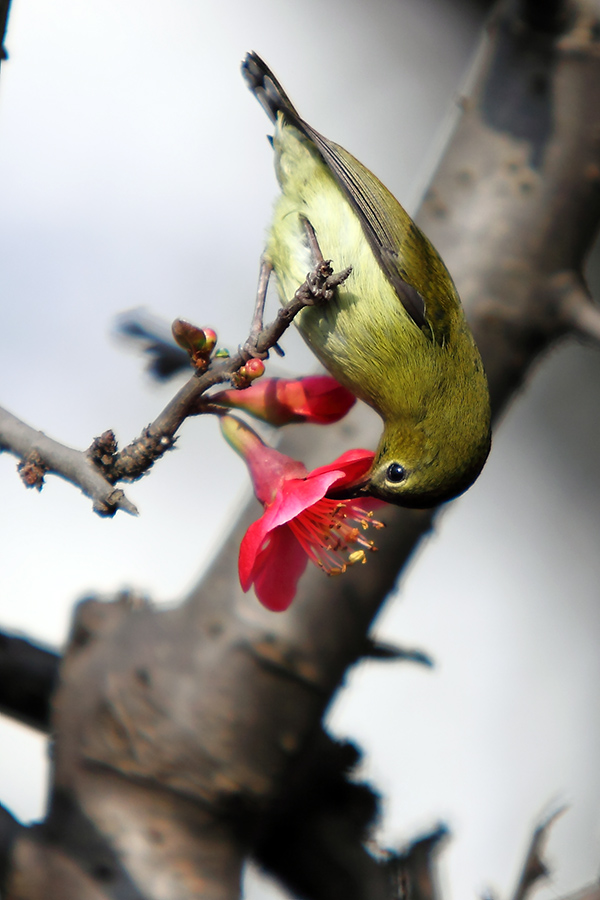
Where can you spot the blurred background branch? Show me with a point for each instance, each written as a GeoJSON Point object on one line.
{"type": "Point", "coordinates": [4, 11]}
{"type": "Point", "coordinates": [28, 677]}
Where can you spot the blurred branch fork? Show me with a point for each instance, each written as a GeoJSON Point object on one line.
{"type": "Point", "coordinates": [187, 739]}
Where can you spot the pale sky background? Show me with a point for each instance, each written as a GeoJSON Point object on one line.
{"type": "Point", "coordinates": [134, 171]}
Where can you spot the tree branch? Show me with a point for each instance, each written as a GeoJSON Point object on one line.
{"type": "Point", "coordinates": [576, 306]}
{"type": "Point", "coordinates": [40, 454]}
{"type": "Point", "coordinates": [10, 829]}
{"type": "Point", "coordinates": [28, 677]}
{"type": "Point", "coordinates": [534, 867]}
{"type": "Point", "coordinates": [415, 867]}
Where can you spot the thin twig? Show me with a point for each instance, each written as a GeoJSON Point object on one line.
{"type": "Point", "coordinates": [384, 652]}
{"type": "Point", "coordinates": [534, 867]}
{"type": "Point", "coordinates": [140, 455]}
{"type": "Point", "coordinates": [261, 296]}
{"type": "Point", "coordinates": [41, 454]}
{"type": "Point", "coordinates": [575, 310]}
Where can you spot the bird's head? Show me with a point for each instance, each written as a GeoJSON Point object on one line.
{"type": "Point", "coordinates": [412, 471]}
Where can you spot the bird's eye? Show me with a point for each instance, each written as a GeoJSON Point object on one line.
{"type": "Point", "coordinates": [395, 473]}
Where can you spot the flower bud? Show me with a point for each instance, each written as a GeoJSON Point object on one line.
{"type": "Point", "coordinates": [210, 338]}
{"type": "Point", "coordinates": [188, 336]}
{"type": "Point", "coordinates": [247, 373]}
{"type": "Point", "coordinates": [199, 342]}
{"type": "Point", "coordinates": [268, 467]}
{"type": "Point", "coordinates": [281, 401]}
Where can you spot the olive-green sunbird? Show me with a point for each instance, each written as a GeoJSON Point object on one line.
{"type": "Point", "coordinates": [394, 332]}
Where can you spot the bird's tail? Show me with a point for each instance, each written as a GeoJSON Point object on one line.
{"type": "Point", "coordinates": [267, 89]}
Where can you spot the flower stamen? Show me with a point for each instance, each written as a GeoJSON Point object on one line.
{"type": "Point", "coordinates": [329, 529]}
{"type": "Point", "coordinates": [357, 556]}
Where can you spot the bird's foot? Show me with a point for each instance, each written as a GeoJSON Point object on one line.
{"type": "Point", "coordinates": [321, 284]}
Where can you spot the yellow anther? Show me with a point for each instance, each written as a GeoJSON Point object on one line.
{"type": "Point", "coordinates": [357, 556]}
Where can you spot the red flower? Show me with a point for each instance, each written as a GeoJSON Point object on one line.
{"type": "Point", "coordinates": [299, 522]}
{"type": "Point", "coordinates": [279, 401]}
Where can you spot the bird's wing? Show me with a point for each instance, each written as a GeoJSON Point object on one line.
{"type": "Point", "coordinates": [394, 239]}
{"type": "Point", "coordinates": [427, 293]}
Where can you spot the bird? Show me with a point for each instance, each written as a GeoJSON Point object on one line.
{"type": "Point", "coordinates": [394, 332]}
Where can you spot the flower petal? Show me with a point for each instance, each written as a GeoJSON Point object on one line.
{"type": "Point", "coordinates": [278, 568]}
{"type": "Point", "coordinates": [253, 541]}
{"type": "Point", "coordinates": [293, 497]}
{"type": "Point", "coordinates": [316, 398]}
{"type": "Point", "coordinates": [299, 494]}
{"type": "Point", "coordinates": [351, 465]}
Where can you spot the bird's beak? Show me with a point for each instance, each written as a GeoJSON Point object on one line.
{"type": "Point", "coordinates": [350, 491]}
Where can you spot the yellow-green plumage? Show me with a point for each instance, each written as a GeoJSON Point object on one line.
{"type": "Point", "coordinates": [394, 333]}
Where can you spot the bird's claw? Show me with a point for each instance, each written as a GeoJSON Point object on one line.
{"type": "Point", "coordinates": [320, 284]}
